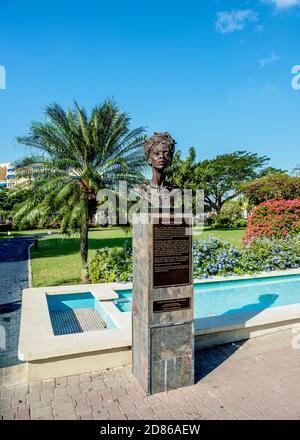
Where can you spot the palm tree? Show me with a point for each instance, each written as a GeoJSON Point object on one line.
{"type": "Point", "coordinates": [78, 154]}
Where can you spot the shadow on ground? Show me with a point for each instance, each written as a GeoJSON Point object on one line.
{"type": "Point", "coordinates": [209, 359]}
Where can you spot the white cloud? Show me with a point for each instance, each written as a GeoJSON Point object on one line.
{"type": "Point", "coordinates": [265, 61]}
{"type": "Point", "coordinates": [235, 20]}
{"type": "Point", "coordinates": [282, 4]}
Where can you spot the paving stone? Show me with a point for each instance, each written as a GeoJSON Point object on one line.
{"type": "Point", "coordinates": [35, 386]}
{"type": "Point", "coordinates": [47, 396]}
{"type": "Point", "coordinates": [14, 278]}
{"type": "Point", "coordinates": [87, 417]}
{"type": "Point", "coordinates": [61, 381]}
{"type": "Point", "coordinates": [63, 409]}
{"type": "Point", "coordinates": [72, 380]}
{"type": "Point", "coordinates": [48, 384]}
{"type": "Point", "coordinates": [33, 397]}
{"type": "Point", "coordinates": [41, 412]}
{"type": "Point", "coordinates": [22, 414]}
{"type": "Point", "coordinates": [126, 404]}
{"type": "Point", "coordinates": [5, 403]}
{"type": "Point", "coordinates": [83, 408]}
{"type": "Point", "coordinates": [101, 415]}
{"type": "Point", "coordinates": [114, 409]}
{"type": "Point", "coordinates": [145, 413]}
{"type": "Point", "coordinates": [16, 402]}
{"type": "Point", "coordinates": [118, 417]}
{"type": "Point", "coordinates": [86, 386]}
{"type": "Point", "coordinates": [9, 416]}
{"type": "Point", "coordinates": [133, 415]}
{"type": "Point", "coordinates": [73, 389]}
{"type": "Point", "coordinates": [95, 400]}
{"type": "Point", "coordinates": [60, 391]}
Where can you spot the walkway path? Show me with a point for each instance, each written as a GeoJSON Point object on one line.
{"type": "Point", "coordinates": [13, 278]}
{"type": "Point", "coordinates": [257, 379]}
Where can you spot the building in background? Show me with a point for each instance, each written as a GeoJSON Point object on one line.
{"type": "Point", "coordinates": [7, 175]}
{"type": "Point", "coordinates": [10, 178]}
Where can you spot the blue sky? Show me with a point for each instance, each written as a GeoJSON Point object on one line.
{"type": "Point", "coordinates": [216, 74]}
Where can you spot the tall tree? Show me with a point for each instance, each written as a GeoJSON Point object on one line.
{"type": "Point", "coordinates": [270, 171]}
{"type": "Point", "coordinates": [274, 186]}
{"type": "Point", "coordinates": [219, 177]}
{"type": "Point", "coordinates": [182, 171]}
{"type": "Point", "coordinates": [78, 154]}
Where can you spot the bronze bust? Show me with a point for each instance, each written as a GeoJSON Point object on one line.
{"type": "Point", "coordinates": [159, 151]}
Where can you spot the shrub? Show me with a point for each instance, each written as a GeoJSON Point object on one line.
{"type": "Point", "coordinates": [112, 265]}
{"type": "Point", "coordinates": [212, 257]}
{"type": "Point", "coordinates": [269, 254]}
{"type": "Point", "coordinates": [223, 221]}
{"type": "Point", "coordinates": [230, 216]}
{"type": "Point", "coordinates": [273, 219]}
{"type": "Point", "coordinates": [272, 186]}
{"type": "Point", "coordinates": [240, 223]}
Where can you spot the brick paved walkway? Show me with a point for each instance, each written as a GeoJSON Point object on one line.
{"type": "Point", "coordinates": [13, 278]}
{"type": "Point", "coordinates": [256, 379]}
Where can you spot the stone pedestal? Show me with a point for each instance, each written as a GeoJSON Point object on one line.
{"type": "Point", "coordinates": [163, 305]}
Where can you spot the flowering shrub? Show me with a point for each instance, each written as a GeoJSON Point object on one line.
{"type": "Point", "coordinates": [112, 264]}
{"type": "Point", "coordinates": [275, 218]}
{"type": "Point", "coordinates": [212, 257]}
{"type": "Point", "coordinates": [269, 254]}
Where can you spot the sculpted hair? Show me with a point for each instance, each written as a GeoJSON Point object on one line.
{"type": "Point", "coordinates": [159, 138]}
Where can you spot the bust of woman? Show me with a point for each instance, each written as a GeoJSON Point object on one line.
{"type": "Point", "coordinates": [159, 150]}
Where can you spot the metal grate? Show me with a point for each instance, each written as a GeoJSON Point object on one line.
{"type": "Point", "coordinates": [65, 322]}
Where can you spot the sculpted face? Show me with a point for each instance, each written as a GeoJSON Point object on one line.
{"type": "Point", "coordinates": [160, 156]}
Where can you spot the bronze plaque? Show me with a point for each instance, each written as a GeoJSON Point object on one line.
{"type": "Point", "coordinates": [170, 305]}
{"type": "Point", "coordinates": [171, 255]}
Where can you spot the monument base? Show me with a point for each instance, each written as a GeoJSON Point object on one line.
{"type": "Point", "coordinates": [162, 315]}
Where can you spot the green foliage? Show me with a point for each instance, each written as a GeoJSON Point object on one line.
{"type": "Point", "coordinates": [269, 171]}
{"type": "Point", "coordinates": [112, 264]}
{"type": "Point", "coordinates": [219, 177]}
{"type": "Point", "coordinates": [269, 254]}
{"type": "Point", "coordinates": [231, 215]}
{"type": "Point", "coordinates": [212, 257]}
{"type": "Point", "coordinates": [240, 223]}
{"type": "Point", "coordinates": [182, 171]}
{"type": "Point", "coordinates": [78, 154]}
{"type": "Point", "coordinates": [9, 199]}
{"type": "Point", "coordinates": [273, 186]}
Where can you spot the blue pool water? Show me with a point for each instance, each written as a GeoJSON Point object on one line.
{"type": "Point", "coordinates": [71, 301]}
{"type": "Point", "coordinates": [236, 296]}
{"type": "Point", "coordinates": [67, 301]}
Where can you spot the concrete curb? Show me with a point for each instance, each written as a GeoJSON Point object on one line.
{"type": "Point", "coordinates": [29, 266]}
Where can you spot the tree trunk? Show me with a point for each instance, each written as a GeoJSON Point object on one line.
{"type": "Point", "coordinates": [84, 247]}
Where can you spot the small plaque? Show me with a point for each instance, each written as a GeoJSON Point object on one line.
{"type": "Point", "coordinates": [171, 255]}
{"type": "Point", "coordinates": [170, 305]}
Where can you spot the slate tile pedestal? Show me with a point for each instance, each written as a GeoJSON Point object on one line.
{"type": "Point", "coordinates": [162, 315]}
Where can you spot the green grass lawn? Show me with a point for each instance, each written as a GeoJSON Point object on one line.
{"type": "Point", "coordinates": [4, 235]}
{"type": "Point", "coordinates": [58, 262]}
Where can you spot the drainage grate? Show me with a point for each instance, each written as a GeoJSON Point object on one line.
{"type": "Point", "coordinates": [65, 322]}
